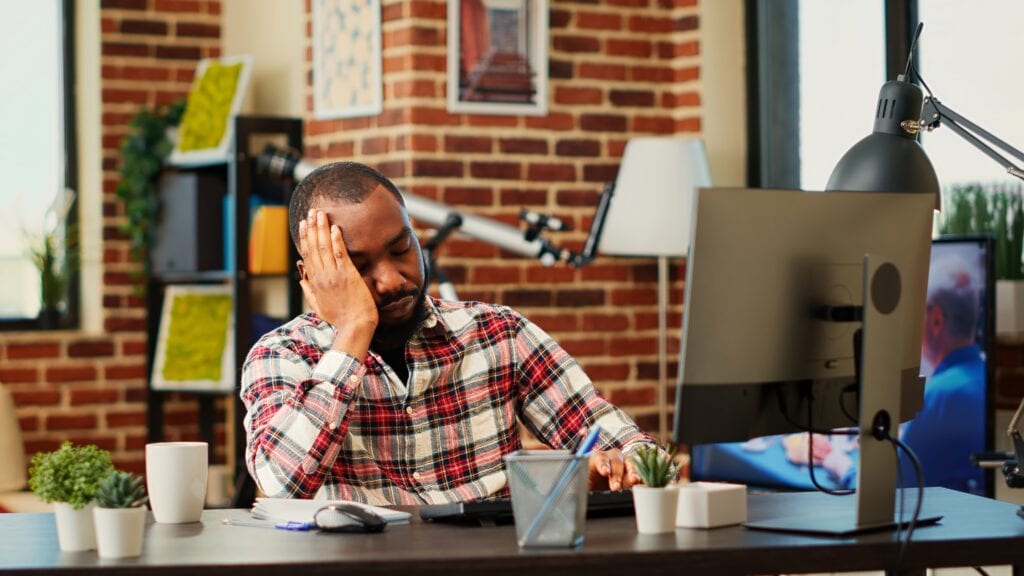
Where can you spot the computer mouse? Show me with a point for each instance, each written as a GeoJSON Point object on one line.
{"type": "Point", "coordinates": [344, 517]}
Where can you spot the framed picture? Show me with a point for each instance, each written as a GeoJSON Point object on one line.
{"type": "Point", "coordinates": [498, 57]}
{"type": "Point", "coordinates": [206, 130]}
{"type": "Point", "coordinates": [347, 60]}
{"type": "Point", "coordinates": [195, 347]}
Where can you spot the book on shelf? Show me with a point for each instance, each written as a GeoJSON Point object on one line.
{"type": "Point", "coordinates": [301, 511]}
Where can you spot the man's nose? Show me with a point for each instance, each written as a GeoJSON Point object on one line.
{"type": "Point", "coordinates": [387, 279]}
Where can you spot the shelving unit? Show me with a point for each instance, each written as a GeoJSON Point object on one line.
{"type": "Point", "coordinates": [251, 133]}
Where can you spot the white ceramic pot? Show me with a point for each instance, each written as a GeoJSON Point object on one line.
{"type": "Point", "coordinates": [75, 531]}
{"type": "Point", "coordinates": [119, 531]}
{"type": "Point", "coordinates": [655, 509]}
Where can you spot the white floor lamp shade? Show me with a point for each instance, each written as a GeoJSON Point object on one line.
{"type": "Point", "coordinates": [649, 216]}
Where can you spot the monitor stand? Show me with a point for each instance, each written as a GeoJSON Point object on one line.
{"type": "Point", "coordinates": [873, 507]}
{"type": "Point", "coordinates": [825, 515]}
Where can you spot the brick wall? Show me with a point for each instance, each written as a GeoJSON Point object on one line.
{"type": "Point", "coordinates": [618, 69]}
{"type": "Point", "coordinates": [92, 388]}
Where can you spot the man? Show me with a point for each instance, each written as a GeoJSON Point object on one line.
{"type": "Point", "coordinates": [387, 396]}
{"type": "Point", "coordinates": [945, 432]}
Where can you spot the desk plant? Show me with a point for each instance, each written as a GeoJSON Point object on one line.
{"type": "Point", "coordinates": [69, 478]}
{"type": "Point", "coordinates": [656, 500]}
{"type": "Point", "coordinates": [120, 515]}
{"type": "Point", "coordinates": [54, 254]}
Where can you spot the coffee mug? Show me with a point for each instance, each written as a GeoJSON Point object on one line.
{"type": "Point", "coordinates": [176, 475]}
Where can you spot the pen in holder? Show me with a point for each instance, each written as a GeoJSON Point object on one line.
{"type": "Point", "coordinates": [549, 491]}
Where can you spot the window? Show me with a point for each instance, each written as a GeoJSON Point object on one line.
{"type": "Point", "coordinates": [37, 208]}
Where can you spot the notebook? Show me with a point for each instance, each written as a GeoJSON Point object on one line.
{"type": "Point", "coordinates": [300, 511]}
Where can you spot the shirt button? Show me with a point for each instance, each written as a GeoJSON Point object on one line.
{"type": "Point", "coordinates": [333, 425]}
{"type": "Point", "coordinates": [408, 410]}
{"type": "Point", "coordinates": [353, 379]}
{"type": "Point", "coordinates": [416, 475]}
{"type": "Point", "coordinates": [430, 322]}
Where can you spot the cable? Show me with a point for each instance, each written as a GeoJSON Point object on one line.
{"type": "Point", "coordinates": [980, 570]}
{"type": "Point", "coordinates": [810, 454]}
{"type": "Point", "coordinates": [789, 419]}
{"type": "Point", "coordinates": [913, 46]}
{"type": "Point", "coordinates": [920, 492]}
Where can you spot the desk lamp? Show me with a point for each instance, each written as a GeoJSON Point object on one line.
{"type": "Point", "coordinates": [649, 215]}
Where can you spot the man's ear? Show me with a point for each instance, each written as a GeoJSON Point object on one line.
{"type": "Point", "coordinates": [302, 269]}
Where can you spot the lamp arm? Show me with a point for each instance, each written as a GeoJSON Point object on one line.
{"type": "Point", "coordinates": [935, 114]}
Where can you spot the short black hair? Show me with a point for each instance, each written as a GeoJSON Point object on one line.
{"type": "Point", "coordinates": [349, 182]}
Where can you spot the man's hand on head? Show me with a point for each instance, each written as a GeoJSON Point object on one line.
{"type": "Point", "coordinates": [610, 471]}
{"type": "Point", "coordinates": [333, 286]}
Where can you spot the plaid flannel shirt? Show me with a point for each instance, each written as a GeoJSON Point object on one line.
{"type": "Point", "coordinates": [321, 423]}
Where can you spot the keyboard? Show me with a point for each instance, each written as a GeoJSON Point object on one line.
{"type": "Point", "coordinates": [492, 512]}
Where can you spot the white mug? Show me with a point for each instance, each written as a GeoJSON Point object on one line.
{"type": "Point", "coordinates": [176, 475]}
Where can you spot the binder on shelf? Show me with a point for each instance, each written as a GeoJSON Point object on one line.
{"type": "Point", "coordinates": [268, 241]}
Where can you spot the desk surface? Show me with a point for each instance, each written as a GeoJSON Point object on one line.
{"type": "Point", "coordinates": [974, 531]}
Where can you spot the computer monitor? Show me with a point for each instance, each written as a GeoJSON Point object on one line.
{"type": "Point", "coordinates": [955, 422]}
{"type": "Point", "coordinates": [803, 311]}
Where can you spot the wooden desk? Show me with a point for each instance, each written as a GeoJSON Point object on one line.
{"type": "Point", "coordinates": [975, 531]}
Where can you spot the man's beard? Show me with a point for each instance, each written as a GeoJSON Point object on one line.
{"type": "Point", "coordinates": [395, 335]}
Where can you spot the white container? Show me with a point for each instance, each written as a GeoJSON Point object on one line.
{"type": "Point", "coordinates": [711, 504]}
{"type": "Point", "coordinates": [119, 531]}
{"type": "Point", "coordinates": [655, 509]}
{"type": "Point", "coordinates": [176, 475]}
{"type": "Point", "coordinates": [75, 531]}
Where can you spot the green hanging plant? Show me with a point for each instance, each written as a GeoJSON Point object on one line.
{"type": "Point", "coordinates": [142, 160]}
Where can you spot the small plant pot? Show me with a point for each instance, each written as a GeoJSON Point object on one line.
{"type": "Point", "coordinates": [119, 531]}
{"type": "Point", "coordinates": [655, 509]}
{"type": "Point", "coordinates": [75, 531]}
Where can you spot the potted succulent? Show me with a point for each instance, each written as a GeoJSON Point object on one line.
{"type": "Point", "coordinates": [656, 500]}
{"type": "Point", "coordinates": [120, 515]}
{"type": "Point", "coordinates": [69, 477]}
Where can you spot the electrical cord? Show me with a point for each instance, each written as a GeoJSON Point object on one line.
{"type": "Point", "coordinates": [919, 473]}
{"type": "Point", "coordinates": [810, 453]}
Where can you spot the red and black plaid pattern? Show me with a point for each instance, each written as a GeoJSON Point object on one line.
{"type": "Point", "coordinates": [323, 424]}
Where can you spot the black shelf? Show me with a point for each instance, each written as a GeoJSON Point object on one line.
{"type": "Point", "coordinates": [251, 133]}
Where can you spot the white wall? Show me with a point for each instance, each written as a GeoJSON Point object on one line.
{"type": "Point", "coordinates": [274, 33]}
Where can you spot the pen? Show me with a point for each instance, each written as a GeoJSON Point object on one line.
{"type": "Point", "coordinates": [292, 526]}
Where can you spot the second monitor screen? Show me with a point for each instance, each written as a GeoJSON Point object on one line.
{"type": "Point", "coordinates": [953, 423]}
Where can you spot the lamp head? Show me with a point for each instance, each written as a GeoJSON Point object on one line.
{"type": "Point", "coordinates": [889, 159]}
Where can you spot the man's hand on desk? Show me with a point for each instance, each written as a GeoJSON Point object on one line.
{"type": "Point", "coordinates": [610, 471]}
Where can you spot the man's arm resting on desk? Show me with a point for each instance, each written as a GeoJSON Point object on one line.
{"type": "Point", "coordinates": [296, 417]}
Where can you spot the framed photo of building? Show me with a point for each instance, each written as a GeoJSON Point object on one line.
{"type": "Point", "coordinates": [347, 59]}
{"type": "Point", "coordinates": [195, 346]}
{"type": "Point", "coordinates": [498, 57]}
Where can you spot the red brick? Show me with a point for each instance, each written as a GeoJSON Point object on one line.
{"type": "Point", "coordinates": [178, 52]}
{"type": "Point", "coordinates": [213, 6]}
{"type": "Point", "coordinates": [688, 125]}
{"type": "Point", "coordinates": [656, 125]}
{"type": "Point", "coordinates": [71, 422]}
{"type": "Point", "coordinates": [595, 21]}
{"type": "Point", "coordinates": [469, 196]}
{"type": "Point", "coordinates": [495, 275]}
{"type": "Point", "coordinates": [496, 170]}
{"type": "Point", "coordinates": [629, 3]}
{"type": "Point", "coordinates": [603, 122]}
{"type": "Point", "coordinates": [648, 24]}
{"type": "Point", "coordinates": [468, 144]}
{"type": "Point", "coordinates": [391, 12]}
{"type": "Point", "coordinates": [583, 347]}
{"type": "Point", "coordinates": [558, 18]}
{"type": "Point", "coordinates": [125, 49]}
{"type": "Point", "coordinates": [523, 146]}
{"type": "Point", "coordinates": [553, 121]}
{"type": "Point", "coordinates": [600, 172]}
{"type": "Point", "coordinates": [594, 321]}
{"type": "Point", "coordinates": [634, 296]}
{"type": "Point", "coordinates": [659, 74]}
{"type": "Point", "coordinates": [36, 397]}
{"type": "Point", "coordinates": [579, 298]}
{"type": "Point", "coordinates": [545, 275]}
{"type": "Point", "coordinates": [413, 36]}
{"type": "Point", "coordinates": [429, 63]}
{"type": "Point", "coordinates": [637, 98]}
{"type": "Point", "coordinates": [437, 168]}
{"type": "Point", "coordinates": [687, 23]}
{"type": "Point", "coordinates": [457, 247]}
{"type": "Point", "coordinates": [34, 446]}
{"type": "Point", "coordinates": [556, 322]}
{"type": "Point", "coordinates": [17, 351]}
{"type": "Point", "coordinates": [145, 27]}
{"type": "Point", "coordinates": [129, 372]}
{"type": "Point", "coordinates": [607, 371]}
{"type": "Point", "coordinates": [124, 324]}
{"type": "Point", "coordinates": [125, 419]}
{"type": "Point", "coordinates": [177, 6]}
{"type": "Point", "coordinates": [560, 69]}
{"type": "Point", "coordinates": [375, 145]}
{"type": "Point", "coordinates": [668, 50]}
{"type": "Point", "coordinates": [605, 272]}
{"type": "Point", "coordinates": [602, 71]}
{"type": "Point", "coordinates": [487, 121]}
{"type": "Point", "coordinates": [196, 30]}
{"type": "Point", "coordinates": [524, 298]}
{"type": "Point", "coordinates": [117, 279]}
{"type": "Point", "coordinates": [433, 10]}
{"type": "Point", "coordinates": [431, 117]}
{"type": "Point", "coordinates": [576, 198]}
{"type": "Point", "coordinates": [578, 147]}
{"type": "Point", "coordinates": [686, 74]}
{"type": "Point", "coordinates": [120, 96]}
{"type": "Point", "coordinates": [569, 95]}
{"type": "Point", "coordinates": [124, 4]}
{"type": "Point", "coordinates": [576, 44]}
{"type": "Point", "coordinates": [632, 346]}
{"type": "Point", "coordinates": [523, 197]}
{"type": "Point", "coordinates": [684, 99]}
{"type": "Point", "coordinates": [634, 48]}
{"type": "Point", "coordinates": [414, 89]}
{"type": "Point", "coordinates": [551, 173]}
{"type": "Point", "coordinates": [91, 349]}
{"type": "Point", "coordinates": [28, 423]}
{"type": "Point", "coordinates": [93, 396]}
{"type": "Point", "coordinates": [71, 374]}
